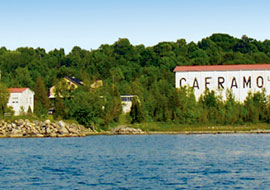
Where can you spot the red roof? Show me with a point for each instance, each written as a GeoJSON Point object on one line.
{"type": "Point", "coordinates": [222, 67]}
{"type": "Point", "coordinates": [16, 90]}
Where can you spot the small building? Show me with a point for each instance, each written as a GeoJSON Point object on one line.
{"type": "Point", "coordinates": [240, 79]}
{"type": "Point", "coordinates": [126, 101]}
{"type": "Point", "coordinates": [21, 99]}
{"type": "Point", "coordinates": [69, 83]}
{"type": "Point", "coordinates": [96, 84]}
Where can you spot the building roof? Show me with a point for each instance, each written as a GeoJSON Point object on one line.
{"type": "Point", "coordinates": [74, 80]}
{"type": "Point", "coordinates": [222, 67]}
{"type": "Point", "coordinates": [16, 90]}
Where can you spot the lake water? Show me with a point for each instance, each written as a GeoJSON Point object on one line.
{"type": "Point", "coordinates": [137, 162]}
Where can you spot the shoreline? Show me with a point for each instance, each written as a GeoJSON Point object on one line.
{"type": "Point", "coordinates": [186, 133]}
{"type": "Point", "coordinates": [207, 132]}
{"type": "Point", "coordinates": [60, 129]}
{"type": "Point", "coordinates": [150, 133]}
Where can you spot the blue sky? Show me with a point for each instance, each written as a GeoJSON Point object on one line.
{"type": "Point", "coordinates": [89, 23]}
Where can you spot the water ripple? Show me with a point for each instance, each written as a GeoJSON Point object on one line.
{"type": "Point", "coordinates": [137, 162]}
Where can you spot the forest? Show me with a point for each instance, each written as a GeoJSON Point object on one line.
{"type": "Point", "coordinates": [138, 70]}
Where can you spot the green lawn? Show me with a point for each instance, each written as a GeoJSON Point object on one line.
{"type": "Point", "coordinates": [172, 127]}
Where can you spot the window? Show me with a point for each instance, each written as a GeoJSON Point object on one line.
{"type": "Point", "coordinates": [126, 98]}
{"type": "Point", "coordinates": [15, 100]}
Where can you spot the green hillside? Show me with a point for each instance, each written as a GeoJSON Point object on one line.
{"type": "Point", "coordinates": [143, 71]}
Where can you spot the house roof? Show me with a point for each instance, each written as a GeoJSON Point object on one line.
{"type": "Point", "coordinates": [222, 67]}
{"type": "Point", "coordinates": [74, 80]}
{"type": "Point", "coordinates": [16, 90]}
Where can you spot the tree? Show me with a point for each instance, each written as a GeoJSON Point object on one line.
{"type": "Point", "coordinates": [29, 111]}
{"type": "Point", "coordinates": [86, 108]}
{"type": "Point", "coordinates": [41, 102]}
{"type": "Point", "coordinates": [4, 96]}
{"type": "Point", "coordinates": [212, 106]}
{"type": "Point", "coordinates": [112, 104]}
{"type": "Point", "coordinates": [136, 113]}
{"type": "Point", "coordinates": [59, 108]}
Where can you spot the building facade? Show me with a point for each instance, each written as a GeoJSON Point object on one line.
{"type": "Point", "coordinates": [69, 83]}
{"type": "Point", "coordinates": [240, 79]}
{"type": "Point", "coordinates": [126, 102]}
{"type": "Point", "coordinates": [21, 99]}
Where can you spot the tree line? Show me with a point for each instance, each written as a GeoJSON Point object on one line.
{"type": "Point", "coordinates": [143, 71]}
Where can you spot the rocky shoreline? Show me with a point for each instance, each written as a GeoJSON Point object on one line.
{"type": "Point", "coordinates": [25, 128]}
{"type": "Point", "coordinates": [124, 130]}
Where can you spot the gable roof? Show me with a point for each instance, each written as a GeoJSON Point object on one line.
{"type": "Point", "coordinates": [222, 67]}
{"type": "Point", "coordinates": [74, 80]}
{"type": "Point", "coordinates": [16, 90]}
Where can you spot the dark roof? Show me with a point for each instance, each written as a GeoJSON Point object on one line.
{"type": "Point", "coordinates": [74, 80]}
{"type": "Point", "coordinates": [222, 67]}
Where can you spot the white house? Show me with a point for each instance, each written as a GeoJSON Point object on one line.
{"type": "Point", "coordinates": [240, 79]}
{"type": "Point", "coordinates": [21, 99]}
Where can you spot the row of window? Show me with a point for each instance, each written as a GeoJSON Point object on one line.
{"type": "Point", "coordinates": [126, 99]}
{"type": "Point", "coordinates": [16, 101]}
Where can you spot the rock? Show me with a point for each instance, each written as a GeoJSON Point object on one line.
{"type": "Point", "coordinates": [123, 130]}
{"type": "Point", "coordinates": [16, 132]}
{"type": "Point", "coordinates": [26, 128]}
{"type": "Point", "coordinates": [63, 130]}
{"type": "Point", "coordinates": [19, 122]}
{"type": "Point", "coordinates": [49, 130]}
{"type": "Point", "coordinates": [92, 127]}
{"type": "Point", "coordinates": [13, 125]}
{"type": "Point", "coordinates": [47, 122]}
{"type": "Point", "coordinates": [61, 123]}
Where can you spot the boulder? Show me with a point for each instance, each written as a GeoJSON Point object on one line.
{"type": "Point", "coordinates": [61, 123]}
{"type": "Point", "coordinates": [16, 132]}
{"type": "Point", "coordinates": [26, 128]}
{"type": "Point", "coordinates": [123, 130]}
{"type": "Point", "coordinates": [63, 130]}
{"type": "Point", "coordinates": [47, 122]}
{"type": "Point", "coordinates": [19, 122]}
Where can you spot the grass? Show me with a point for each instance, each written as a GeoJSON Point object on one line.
{"type": "Point", "coordinates": [34, 117]}
{"type": "Point", "coordinates": [13, 118]}
{"type": "Point", "coordinates": [173, 127]}
{"type": "Point", "coordinates": [125, 119]}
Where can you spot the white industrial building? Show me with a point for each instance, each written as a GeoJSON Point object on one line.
{"type": "Point", "coordinates": [240, 79]}
{"type": "Point", "coordinates": [21, 99]}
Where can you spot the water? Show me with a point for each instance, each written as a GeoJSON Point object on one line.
{"type": "Point", "coordinates": [137, 162]}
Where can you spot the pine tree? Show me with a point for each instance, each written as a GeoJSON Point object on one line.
{"type": "Point", "coordinates": [41, 98]}
{"type": "Point", "coordinates": [29, 111]}
{"type": "Point", "coordinates": [136, 113]}
{"type": "Point", "coordinates": [59, 108]}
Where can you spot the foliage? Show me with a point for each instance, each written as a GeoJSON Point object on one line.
{"type": "Point", "coordinates": [41, 102]}
{"type": "Point", "coordinates": [136, 113]}
{"type": "Point", "coordinates": [4, 96]}
{"type": "Point", "coordinates": [138, 70]}
{"type": "Point", "coordinates": [59, 108]}
{"type": "Point", "coordinates": [86, 108]}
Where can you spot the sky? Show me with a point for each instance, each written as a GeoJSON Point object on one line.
{"type": "Point", "coordinates": [51, 24]}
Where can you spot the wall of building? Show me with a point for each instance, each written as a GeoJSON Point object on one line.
{"type": "Point", "coordinates": [22, 100]}
{"type": "Point", "coordinates": [126, 103]}
{"type": "Point", "coordinates": [240, 82]}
